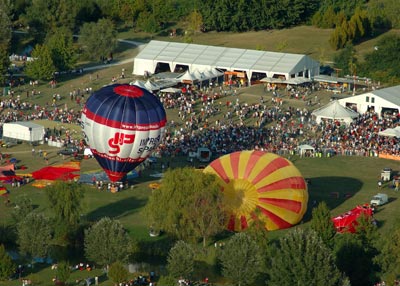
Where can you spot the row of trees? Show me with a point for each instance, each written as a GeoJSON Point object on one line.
{"type": "Point", "coordinates": [313, 255]}
{"type": "Point", "coordinates": [380, 64]}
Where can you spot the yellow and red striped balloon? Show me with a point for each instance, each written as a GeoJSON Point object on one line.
{"type": "Point", "coordinates": [260, 185]}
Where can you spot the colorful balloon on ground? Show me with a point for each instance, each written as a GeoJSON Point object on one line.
{"type": "Point", "coordinates": [260, 186]}
{"type": "Point", "coordinates": [122, 124]}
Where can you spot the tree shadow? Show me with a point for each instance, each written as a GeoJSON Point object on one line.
{"type": "Point", "coordinates": [332, 190]}
{"type": "Point", "coordinates": [117, 209]}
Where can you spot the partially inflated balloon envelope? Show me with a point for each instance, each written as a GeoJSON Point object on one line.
{"type": "Point", "coordinates": [260, 186]}
{"type": "Point", "coordinates": [123, 124]}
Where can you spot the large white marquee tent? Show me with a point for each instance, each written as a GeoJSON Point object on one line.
{"type": "Point", "coordinates": [381, 100]}
{"type": "Point", "coordinates": [204, 58]}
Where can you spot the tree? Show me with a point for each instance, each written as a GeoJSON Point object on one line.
{"type": "Point", "coordinates": [98, 39]}
{"type": "Point", "coordinates": [167, 281]}
{"type": "Point", "coordinates": [107, 242]}
{"type": "Point", "coordinates": [241, 260]}
{"type": "Point", "coordinates": [4, 64]}
{"type": "Point", "coordinates": [147, 22]}
{"type": "Point", "coordinates": [181, 260]}
{"type": "Point", "coordinates": [382, 63]}
{"type": "Point", "coordinates": [346, 59]}
{"type": "Point", "coordinates": [195, 21]}
{"type": "Point", "coordinates": [7, 266]}
{"type": "Point", "coordinates": [322, 224]}
{"type": "Point", "coordinates": [34, 235]}
{"type": "Point", "coordinates": [66, 200]}
{"type": "Point", "coordinates": [60, 44]}
{"type": "Point", "coordinates": [192, 205]}
{"type": "Point", "coordinates": [118, 273]}
{"type": "Point", "coordinates": [5, 25]}
{"type": "Point", "coordinates": [301, 258]}
{"type": "Point", "coordinates": [42, 66]}
{"type": "Point", "coordinates": [354, 260]}
{"type": "Point", "coordinates": [5, 39]}
{"type": "Point", "coordinates": [63, 272]}
{"type": "Point", "coordinates": [23, 206]}
{"type": "Point", "coordinates": [389, 256]}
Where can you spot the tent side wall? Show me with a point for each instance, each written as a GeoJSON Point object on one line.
{"type": "Point", "coordinates": [141, 66]}
{"type": "Point", "coordinates": [21, 132]}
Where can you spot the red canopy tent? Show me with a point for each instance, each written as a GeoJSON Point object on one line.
{"type": "Point", "coordinates": [347, 222]}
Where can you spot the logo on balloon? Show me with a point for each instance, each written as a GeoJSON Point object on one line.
{"type": "Point", "coordinates": [118, 140]}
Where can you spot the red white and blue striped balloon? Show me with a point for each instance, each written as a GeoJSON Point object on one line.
{"type": "Point", "coordinates": [123, 124]}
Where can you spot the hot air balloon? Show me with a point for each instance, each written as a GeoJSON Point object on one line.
{"type": "Point", "coordinates": [260, 186]}
{"type": "Point", "coordinates": [122, 124]}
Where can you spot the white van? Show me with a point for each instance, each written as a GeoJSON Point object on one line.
{"type": "Point", "coordinates": [379, 199]}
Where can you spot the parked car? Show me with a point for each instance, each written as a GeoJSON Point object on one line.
{"type": "Point", "coordinates": [68, 151]}
{"type": "Point", "coordinates": [8, 144]}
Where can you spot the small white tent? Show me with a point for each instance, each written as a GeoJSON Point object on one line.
{"type": "Point", "coordinates": [390, 132]}
{"type": "Point", "coordinates": [305, 150]}
{"type": "Point", "coordinates": [334, 111]}
{"type": "Point", "coordinates": [23, 130]}
{"type": "Point", "coordinates": [187, 77]}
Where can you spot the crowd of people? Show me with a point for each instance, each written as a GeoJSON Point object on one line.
{"type": "Point", "coordinates": [266, 125]}
{"type": "Point", "coordinates": [275, 128]}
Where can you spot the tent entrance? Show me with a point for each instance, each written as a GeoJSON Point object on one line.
{"type": "Point", "coordinates": [162, 67]}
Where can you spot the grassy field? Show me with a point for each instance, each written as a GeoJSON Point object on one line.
{"type": "Point", "coordinates": [354, 178]}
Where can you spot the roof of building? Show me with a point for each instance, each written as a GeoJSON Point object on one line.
{"type": "Point", "coordinates": [391, 94]}
{"type": "Point", "coordinates": [225, 58]}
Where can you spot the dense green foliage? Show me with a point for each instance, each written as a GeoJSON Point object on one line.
{"type": "Point", "coordinates": [322, 224]}
{"type": "Point", "coordinates": [60, 44]}
{"type": "Point", "coordinates": [181, 260]}
{"type": "Point", "coordinates": [107, 242]}
{"type": "Point", "coordinates": [63, 271]}
{"type": "Point", "coordinates": [389, 257]}
{"type": "Point", "coordinates": [5, 39]}
{"type": "Point", "coordinates": [23, 207]}
{"type": "Point", "coordinates": [301, 258]}
{"type": "Point", "coordinates": [383, 63]}
{"type": "Point", "coordinates": [7, 266]}
{"type": "Point", "coordinates": [255, 15]}
{"type": "Point", "coordinates": [191, 203]}
{"type": "Point", "coordinates": [65, 199]}
{"type": "Point", "coordinates": [241, 259]}
{"type": "Point", "coordinates": [118, 273]}
{"type": "Point", "coordinates": [98, 39]}
{"type": "Point", "coordinates": [42, 66]}
{"type": "Point", "coordinates": [34, 235]}
{"type": "Point", "coordinates": [167, 281]}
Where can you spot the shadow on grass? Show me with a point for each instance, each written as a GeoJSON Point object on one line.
{"type": "Point", "coordinates": [117, 209]}
{"type": "Point", "coordinates": [332, 190]}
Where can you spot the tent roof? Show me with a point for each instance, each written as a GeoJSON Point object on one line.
{"type": "Point", "coordinates": [305, 147]}
{"type": "Point", "coordinates": [334, 110]}
{"type": "Point", "coordinates": [187, 76]}
{"type": "Point", "coordinates": [27, 124]}
{"type": "Point", "coordinates": [171, 90]}
{"type": "Point", "coordinates": [225, 58]}
{"type": "Point", "coordinates": [151, 85]}
{"type": "Point", "coordinates": [139, 84]}
{"type": "Point", "coordinates": [390, 132]}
